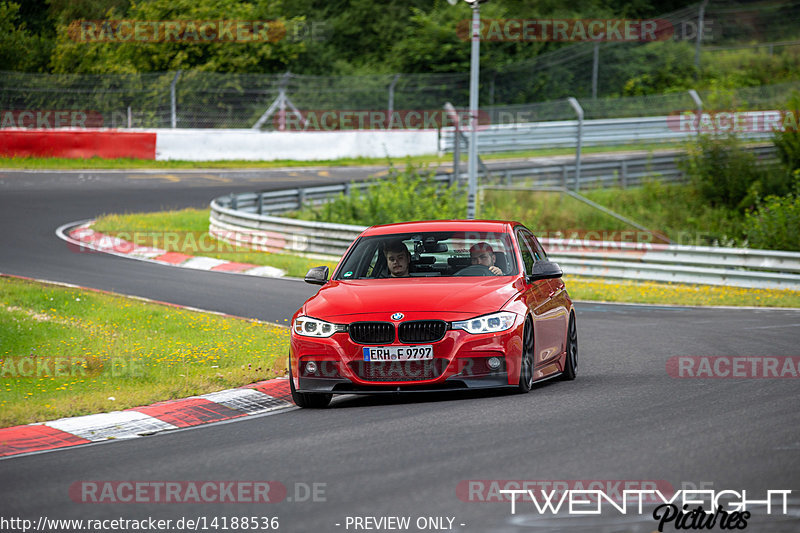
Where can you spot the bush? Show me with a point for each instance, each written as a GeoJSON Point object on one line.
{"type": "Point", "coordinates": [788, 142]}
{"type": "Point", "coordinates": [727, 175]}
{"type": "Point", "coordinates": [776, 223]}
{"type": "Point", "coordinates": [788, 145]}
{"type": "Point", "coordinates": [399, 197]}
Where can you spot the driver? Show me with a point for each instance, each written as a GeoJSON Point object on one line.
{"type": "Point", "coordinates": [397, 258]}
{"type": "Point", "coordinates": [483, 254]}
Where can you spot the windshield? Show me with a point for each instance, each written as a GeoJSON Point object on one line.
{"type": "Point", "coordinates": [430, 254]}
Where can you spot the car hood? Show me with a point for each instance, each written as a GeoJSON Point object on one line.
{"type": "Point", "coordinates": [448, 296]}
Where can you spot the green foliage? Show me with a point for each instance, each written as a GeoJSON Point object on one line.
{"type": "Point", "coordinates": [75, 56]}
{"type": "Point", "coordinates": [748, 67]}
{"type": "Point", "coordinates": [400, 197]}
{"type": "Point", "coordinates": [776, 223]}
{"type": "Point", "coordinates": [725, 174]}
{"type": "Point", "coordinates": [20, 49]}
{"type": "Point", "coordinates": [656, 67]}
{"type": "Point", "coordinates": [674, 210]}
{"type": "Point", "coordinates": [358, 37]}
{"type": "Point", "coordinates": [787, 142]}
{"type": "Point", "coordinates": [788, 145]}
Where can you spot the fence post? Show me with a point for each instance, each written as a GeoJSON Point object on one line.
{"type": "Point", "coordinates": [451, 112]}
{"type": "Point", "coordinates": [697, 45]}
{"type": "Point", "coordinates": [301, 197]}
{"type": "Point", "coordinates": [234, 203]}
{"type": "Point", "coordinates": [579, 111]}
{"type": "Point", "coordinates": [261, 203]}
{"type": "Point", "coordinates": [699, 103]}
{"type": "Point", "coordinates": [595, 64]}
{"type": "Point", "coordinates": [391, 100]}
{"type": "Point", "coordinates": [174, 107]}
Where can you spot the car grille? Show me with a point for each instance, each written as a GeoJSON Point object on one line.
{"type": "Point", "coordinates": [372, 332]}
{"type": "Point", "coordinates": [422, 331]}
{"type": "Point", "coordinates": [398, 370]}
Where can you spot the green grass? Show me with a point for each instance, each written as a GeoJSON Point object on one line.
{"type": "Point", "coordinates": [186, 231]}
{"type": "Point", "coordinates": [579, 288]}
{"type": "Point", "coordinates": [68, 352]}
{"type": "Point", "coordinates": [674, 210]}
{"type": "Point", "coordinates": [677, 293]}
{"type": "Point", "coordinates": [131, 164]}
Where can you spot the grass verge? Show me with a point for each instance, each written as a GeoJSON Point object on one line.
{"type": "Point", "coordinates": [68, 352]}
{"type": "Point", "coordinates": [186, 231]}
{"type": "Point", "coordinates": [623, 291]}
{"type": "Point", "coordinates": [129, 164]}
{"type": "Point", "coordinates": [196, 221]}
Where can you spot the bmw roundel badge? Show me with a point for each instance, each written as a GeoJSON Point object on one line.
{"type": "Point", "coordinates": [398, 316]}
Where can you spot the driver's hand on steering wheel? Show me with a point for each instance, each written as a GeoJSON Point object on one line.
{"type": "Point", "coordinates": [496, 270]}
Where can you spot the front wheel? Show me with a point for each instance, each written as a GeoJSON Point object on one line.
{"type": "Point", "coordinates": [571, 362]}
{"type": "Point", "coordinates": [311, 400]}
{"type": "Point", "coordinates": [526, 361]}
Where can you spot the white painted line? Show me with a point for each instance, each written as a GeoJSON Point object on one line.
{"type": "Point", "coordinates": [249, 401]}
{"type": "Point", "coordinates": [266, 271]}
{"type": "Point", "coordinates": [203, 263]}
{"type": "Point", "coordinates": [116, 425]}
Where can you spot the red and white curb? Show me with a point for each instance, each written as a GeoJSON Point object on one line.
{"type": "Point", "coordinates": [83, 238]}
{"type": "Point", "coordinates": [255, 399]}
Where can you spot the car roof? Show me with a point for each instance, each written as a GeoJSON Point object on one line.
{"type": "Point", "coordinates": [496, 226]}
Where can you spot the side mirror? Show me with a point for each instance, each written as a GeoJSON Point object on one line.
{"type": "Point", "coordinates": [317, 275]}
{"type": "Point", "coordinates": [544, 270]}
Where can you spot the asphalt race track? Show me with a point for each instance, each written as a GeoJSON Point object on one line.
{"type": "Point", "coordinates": [367, 458]}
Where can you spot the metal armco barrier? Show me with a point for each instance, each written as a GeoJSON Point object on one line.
{"type": "Point", "coordinates": [236, 219]}
{"type": "Point", "coordinates": [597, 132]}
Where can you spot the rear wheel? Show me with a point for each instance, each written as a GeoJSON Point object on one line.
{"type": "Point", "coordinates": [526, 361]}
{"type": "Point", "coordinates": [311, 400]}
{"type": "Point", "coordinates": [571, 362]}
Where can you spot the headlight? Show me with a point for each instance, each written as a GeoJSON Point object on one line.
{"type": "Point", "coordinates": [312, 327]}
{"type": "Point", "coordinates": [487, 323]}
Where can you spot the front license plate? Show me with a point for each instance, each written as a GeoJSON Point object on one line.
{"type": "Point", "coordinates": [398, 353]}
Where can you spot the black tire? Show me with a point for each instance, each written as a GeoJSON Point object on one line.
{"type": "Point", "coordinates": [309, 400]}
{"type": "Point", "coordinates": [571, 361]}
{"type": "Point", "coordinates": [527, 359]}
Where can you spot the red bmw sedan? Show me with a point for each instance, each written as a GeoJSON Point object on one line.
{"type": "Point", "coordinates": [430, 306]}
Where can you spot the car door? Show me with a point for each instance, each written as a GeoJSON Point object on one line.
{"type": "Point", "coordinates": [545, 300]}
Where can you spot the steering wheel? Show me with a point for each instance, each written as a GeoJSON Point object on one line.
{"type": "Point", "coordinates": [474, 270]}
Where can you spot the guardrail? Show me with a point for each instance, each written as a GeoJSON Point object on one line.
{"type": "Point", "coordinates": [234, 220]}
{"type": "Point", "coordinates": [597, 132]}
{"type": "Point", "coordinates": [623, 171]}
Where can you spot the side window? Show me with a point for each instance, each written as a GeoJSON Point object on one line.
{"type": "Point", "coordinates": [528, 255]}
{"type": "Point", "coordinates": [539, 249]}
{"type": "Point", "coordinates": [534, 246]}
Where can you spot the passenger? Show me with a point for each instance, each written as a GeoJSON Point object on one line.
{"type": "Point", "coordinates": [397, 258]}
{"type": "Point", "coordinates": [483, 254]}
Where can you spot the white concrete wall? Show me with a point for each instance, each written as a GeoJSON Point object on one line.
{"type": "Point", "coordinates": [213, 144]}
